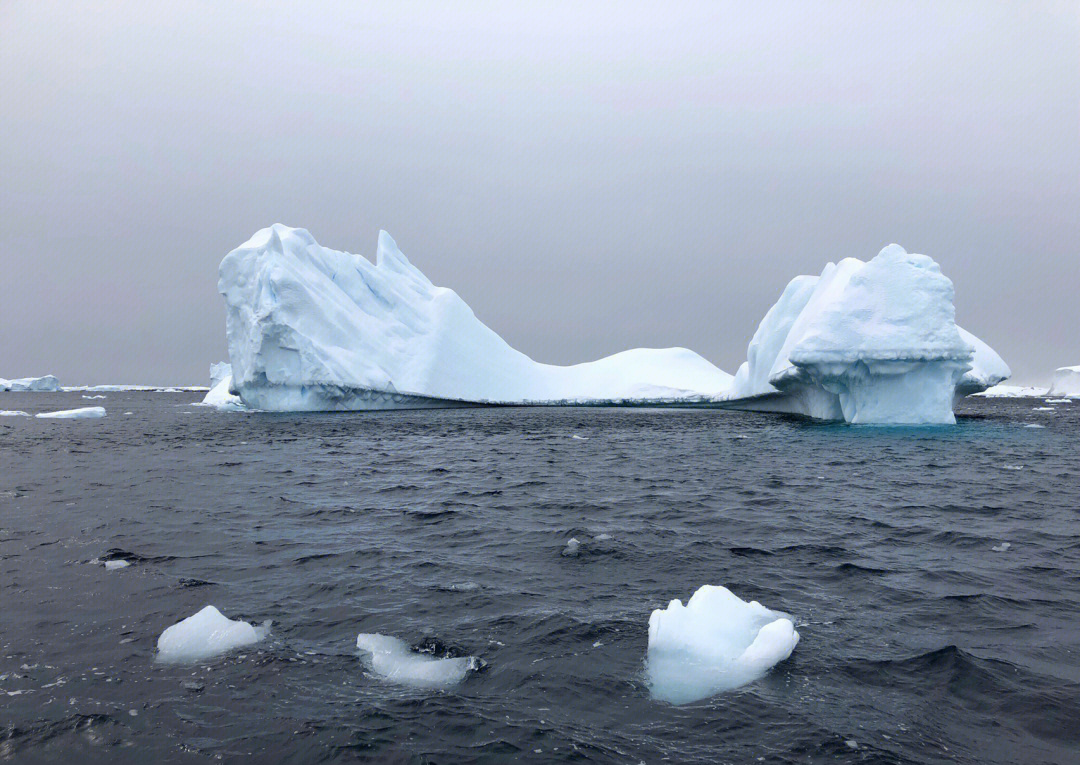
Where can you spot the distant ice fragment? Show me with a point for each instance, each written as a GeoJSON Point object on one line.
{"type": "Point", "coordinates": [1012, 391]}
{"type": "Point", "coordinates": [13, 413]}
{"type": "Point", "coordinates": [391, 659]}
{"type": "Point", "coordinates": [714, 643]}
{"type": "Point", "coordinates": [1065, 382]}
{"type": "Point", "coordinates": [1001, 547]}
{"type": "Point", "coordinates": [46, 384]}
{"type": "Point", "coordinates": [85, 412]}
{"type": "Point", "coordinates": [207, 633]}
{"type": "Point", "coordinates": [112, 565]}
{"type": "Point", "coordinates": [95, 396]}
{"type": "Point", "coordinates": [572, 547]}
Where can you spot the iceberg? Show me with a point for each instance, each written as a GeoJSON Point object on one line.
{"type": "Point", "coordinates": [220, 395]}
{"type": "Point", "coordinates": [714, 643]}
{"type": "Point", "coordinates": [866, 342]}
{"type": "Point", "coordinates": [82, 413]}
{"type": "Point", "coordinates": [314, 329]}
{"type": "Point", "coordinates": [1012, 391]}
{"type": "Point", "coordinates": [205, 634]}
{"type": "Point", "coordinates": [13, 413]}
{"type": "Point", "coordinates": [391, 659]}
{"type": "Point", "coordinates": [1065, 383]}
{"type": "Point", "coordinates": [48, 384]}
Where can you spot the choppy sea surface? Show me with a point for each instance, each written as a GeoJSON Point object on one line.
{"type": "Point", "coordinates": [934, 575]}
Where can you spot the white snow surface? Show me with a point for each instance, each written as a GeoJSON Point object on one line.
{"type": "Point", "coordinates": [310, 328]}
{"type": "Point", "coordinates": [866, 342]}
{"type": "Point", "coordinates": [1065, 383]}
{"type": "Point", "coordinates": [48, 383]}
{"type": "Point", "coordinates": [715, 642]}
{"type": "Point", "coordinates": [393, 660]}
{"type": "Point", "coordinates": [82, 413]}
{"type": "Point", "coordinates": [205, 634]}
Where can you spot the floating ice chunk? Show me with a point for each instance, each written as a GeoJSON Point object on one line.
{"type": "Point", "coordinates": [1065, 382]}
{"type": "Point", "coordinates": [13, 413]}
{"type": "Point", "coordinates": [714, 643]}
{"type": "Point", "coordinates": [576, 437]}
{"type": "Point", "coordinates": [602, 537]}
{"type": "Point", "coordinates": [95, 396]}
{"type": "Point", "coordinates": [1012, 467]}
{"type": "Point", "coordinates": [310, 328]}
{"type": "Point", "coordinates": [1034, 425]}
{"type": "Point", "coordinates": [391, 659]}
{"type": "Point", "coordinates": [48, 383]}
{"type": "Point", "coordinates": [572, 547]}
{"type": "Point", "coordinates": [220, 395]}
{"type": "Point", "coordinates": [1057, 401]}
{"type": "Point", "coordinates": [1001, 547]}
{"type": "Point", "coordinates": [1042, 409]}
{"type": "Point", "coordinates": [85, 412]}
{"type": "Point", "coordinates": [207, 633]}
{"type": "Point", "coordinates": [112, 565]}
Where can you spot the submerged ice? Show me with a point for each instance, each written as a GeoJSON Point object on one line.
{"type": "Point", "coordinates": [393, 660]}
{"type": "Point", "coordinates": [205, 634]}
{"type": "Point", "coordinates": [872, 342]}
{"type": "Point", "coordinates": [715, 642]}
{"type": "Point", "coordinates": [310, 328]}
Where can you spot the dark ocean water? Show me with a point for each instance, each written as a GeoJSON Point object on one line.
{"type": "Point", "coordinates": [920, 643]}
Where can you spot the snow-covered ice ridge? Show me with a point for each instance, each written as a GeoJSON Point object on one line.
{"type": "Point", "coordinates": [310, 328]}
{"type": "Point", "coordinates": [872, 342]}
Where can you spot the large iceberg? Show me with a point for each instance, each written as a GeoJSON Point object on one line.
{"type": "Point", "coordinates": [48, 383]}
{"type": "Point", "coordinates": [716, 642]}
{"type": "Point", "coordinates": [1066, 382]}
{"type": "Point", "coordinates": [866, 342]}
{"type": "Point", "coordinates": [310, 328]}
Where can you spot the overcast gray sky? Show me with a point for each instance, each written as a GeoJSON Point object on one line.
{"type": "Point", "coordinates": [587, 178]}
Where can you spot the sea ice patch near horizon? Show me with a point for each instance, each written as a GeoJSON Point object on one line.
{"type": "Point", "coordinates": [714, 643]}
{"type": "Point", "coordinates": [205, 634]}
{"type": "Point", "coordinates": [392, 659]}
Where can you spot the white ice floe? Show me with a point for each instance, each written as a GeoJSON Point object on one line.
{"type": "Point", "coordinates": [1001, 547]}
{"type": "Point", "coordinates": [1034, 425]}
{"type": "Point", "coordinates": [1042, 409]}
{"type": "Point", "coordinates": [1057, 401]}
{"type": "Point", "coordinates": [1065, 382]}
{"type": "Point", "coordinates": [572, 547]}
{"type": "Point", "coordinates": [391, 659]}
{"type": "Point", "coordinates": [13, 413]}
{"type": "Point", "coordinates": [310, 328]}
{"type": "Point", "coordinates": [1013, 391]}
{"type": "Point", "coordinates": [871, 342]}
{"type": "Point", "coordinates": [220, 395]}
{"type": "Point", "coordinates": [714, 643]}
{"type": "Point", "coordinates": [47, 383]}
{"type": "Point", "coordinates": [93, 397]}
{"type": "Point", "coordinates": [207, 633]}
{"type": "Point", "coordinates": [112, 565]}
{"type": "Point", "coordinates": [82, 413]}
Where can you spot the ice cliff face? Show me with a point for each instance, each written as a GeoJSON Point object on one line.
{"type": "Point", "coordinates": [871, 342]}
{"type": "Point", "coordinates": [310, 328]}
{"type": "Point", "coordinates": [48, 383]}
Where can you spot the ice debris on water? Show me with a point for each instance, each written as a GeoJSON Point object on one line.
{"type": "Point", "coordinates": [572, 547]}
{"type": "Point", "coordinates": [205, 634]}
{"type": "Point", "coordinates": [392, 659]}
{"type": "Point", "coordinates": [112, 565]}
{"type": "Point", "coordinates": [715, 642]}
{"type": "Point", "coordinates": [1001, 547]}
{"type": "Point", "coordinates": [13, 413]}
{"type": "Point", "coordinates": [85, 412]}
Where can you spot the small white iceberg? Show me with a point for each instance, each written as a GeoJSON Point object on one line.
{"type": "Point", "coordinates": [207, 633]}
{"type": "Point", "coordinates": [714, 643]}
{"type": "Point", "coordinates": [112, 565]}
{"type": "Point", "coordinates": [391, 659]}
{"type": "Point", "coordinates": [13, 413]}
{"type": "Point", "coordinates": [82, 413]}
{"type": "Point", "coordinates": [1001, 547]}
